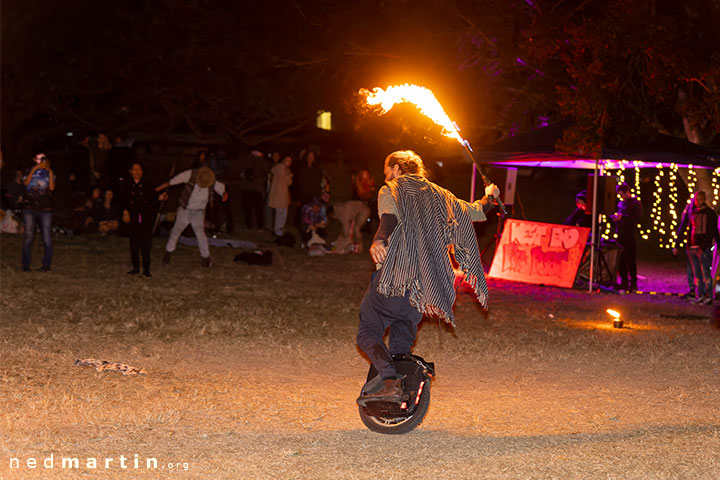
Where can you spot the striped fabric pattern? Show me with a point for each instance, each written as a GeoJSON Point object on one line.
{"type": "Point", "coordinates": [431, 219]}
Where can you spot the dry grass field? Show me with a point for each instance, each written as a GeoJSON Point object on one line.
{"type": "Point", "coordinates": [253, 373]}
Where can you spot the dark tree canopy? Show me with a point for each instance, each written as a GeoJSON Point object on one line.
{"type": "Point", "coordinates": [253, 71]}
{"type": "Point", "coordinates": [625, 70]}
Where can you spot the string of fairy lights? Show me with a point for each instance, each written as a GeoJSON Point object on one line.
{"type": "Point", "coordinates": [666, 211]}
{"type": "Point", "coordinates": [715, 185]}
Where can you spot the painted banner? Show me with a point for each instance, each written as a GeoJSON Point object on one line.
{"type": "Point", "coordinates": [543, 253]}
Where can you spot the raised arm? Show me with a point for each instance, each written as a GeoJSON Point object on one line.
{"type": "Point", "coordinates": [479, 207]}
{"type": "Point", "coordinates": [182, 177]}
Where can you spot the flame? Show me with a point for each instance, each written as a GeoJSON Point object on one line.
{"type": "Point", "coordinates": [421, 97]}
{"type": "Point", "coordinates": [613, 313]}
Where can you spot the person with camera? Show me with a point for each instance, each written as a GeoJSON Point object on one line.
{"type": "Point", "coordinates": [39, 183]}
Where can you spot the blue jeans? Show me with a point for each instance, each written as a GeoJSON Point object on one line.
{"type": "Point", "coordinates": [377, 313]}
{"type": "Point", "coordinates": [689, 271]}
{"type": "Point", "coordinates": [701, 262]}
{"type": "Point", "coordinates": [32, 219]}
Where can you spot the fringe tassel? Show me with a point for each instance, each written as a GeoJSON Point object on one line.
{"type": "Point", "coordinates": [472, 280]}
{"type": "Point", "coordinates": [415, 299]}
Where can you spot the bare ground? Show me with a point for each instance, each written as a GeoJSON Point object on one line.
{"type": "Point", "coordinates": [253, 372]}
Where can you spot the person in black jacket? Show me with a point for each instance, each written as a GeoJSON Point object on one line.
{"type": "Point", "coordinates": [626, 220]}
{"type": "Point", "coordinates": [139, 202]}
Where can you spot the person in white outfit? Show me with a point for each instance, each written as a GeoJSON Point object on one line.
{"type": "Point", "coordinates": [191, 209]}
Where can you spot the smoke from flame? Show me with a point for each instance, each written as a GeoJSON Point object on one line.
{"type": "Point", "coordinates": [421, 97]}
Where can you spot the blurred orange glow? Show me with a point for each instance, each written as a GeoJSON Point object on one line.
{"type": "Point", "coordinates": [613, 313]}
{"type": "Point", "coordinates": [421, 97]}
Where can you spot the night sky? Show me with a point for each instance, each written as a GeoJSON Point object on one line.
{"type": "Point", "coordinates": [255, 73]}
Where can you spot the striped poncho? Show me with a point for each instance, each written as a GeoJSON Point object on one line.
{"type": "Point", "coordinates": [430, 220]}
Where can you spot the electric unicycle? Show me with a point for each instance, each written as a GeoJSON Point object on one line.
{"type": "Point", "coordinates": [407, 413]}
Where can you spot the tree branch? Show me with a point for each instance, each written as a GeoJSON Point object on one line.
{"type": "Point", "coordinates": [288, 63]}
{"type": "Point", "coordinates": [698, 81]}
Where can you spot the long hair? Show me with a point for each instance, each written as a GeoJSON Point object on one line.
{"type": "Point", "coordinates": [408, 161]}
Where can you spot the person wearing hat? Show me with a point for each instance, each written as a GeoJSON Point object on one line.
{"type": "Point", "coordinates": [195, 197]}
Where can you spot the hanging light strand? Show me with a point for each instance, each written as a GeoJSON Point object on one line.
{"type": "Point", "coordinates": [673, 197]}
{"type": "Point", "coordinates": [715, 185]}
{"type": "Point", "coordinates": [656, 211]}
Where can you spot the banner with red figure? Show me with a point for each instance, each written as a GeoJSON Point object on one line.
{"type": "Point", "coordinates": [542, 253]}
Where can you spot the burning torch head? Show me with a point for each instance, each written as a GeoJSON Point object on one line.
{"type": "Point", "coordinates": [617, 321]}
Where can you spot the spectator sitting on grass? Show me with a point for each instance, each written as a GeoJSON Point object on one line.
{"type": "Point", "coordinates": [353, 215]}
{"type": "Point", "coordinates": [13, 192]}
{"type": "Point", "coordinates": [105, 214]}
{"type": "Point", "coordinates": [84, 212]}
{"type": "Point", "coordinates": [8, 223]}
{"type": "Point", "coordinates": [313, 220]}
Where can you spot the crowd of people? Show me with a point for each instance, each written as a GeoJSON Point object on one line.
{"type": "Point", "coordinates": [697, 231]}
{"type": "Point", "coordinates": [301, 201]}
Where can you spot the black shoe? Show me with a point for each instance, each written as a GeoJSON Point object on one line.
{"type": "Point", "coordinates": [134, 271]}
{"type": "Point", "coordinates": [26, 268]}
{"type": "Point", "coordinates": [390, 392]}
{"type": "Point", "coordinates": [206, 262]}
{"type": "Point", "coordinates": [166, 258]}
{"type": "Point", "coordinates": [690, 294]}
{"type": "Point", "coordinates": [147, 273]}
{"type": "Point", "coordinates": [45, 268]}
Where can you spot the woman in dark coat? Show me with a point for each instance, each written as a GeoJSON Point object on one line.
{"type": "Point", "coordinates": [139, 202]}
